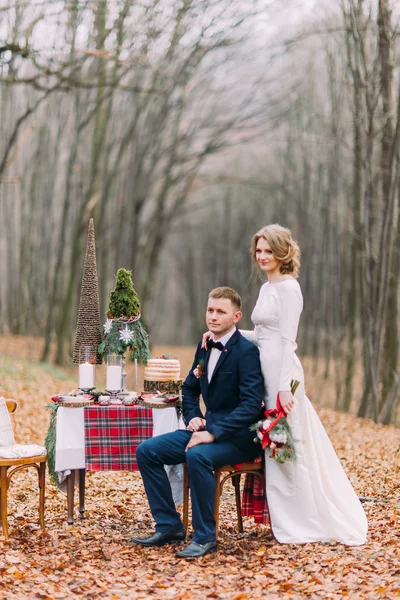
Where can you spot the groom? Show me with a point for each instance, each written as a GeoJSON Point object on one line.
{"type": "Point", "coordinates": [228, 375]}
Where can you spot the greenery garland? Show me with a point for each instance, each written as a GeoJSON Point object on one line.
{"type": "Point", "coordinates": [116, 340]}
{"type": "Point", "coordinates": [50, 443]}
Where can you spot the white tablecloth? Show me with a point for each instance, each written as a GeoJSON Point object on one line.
{"type": "Point", "coordinates": [70, 439]}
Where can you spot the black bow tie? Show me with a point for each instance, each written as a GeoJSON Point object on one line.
{"type": "Point", "coordinates": [211, 344]}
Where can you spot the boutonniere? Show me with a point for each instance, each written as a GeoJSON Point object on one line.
{"type": "Point", "coordinates": [199, 371]}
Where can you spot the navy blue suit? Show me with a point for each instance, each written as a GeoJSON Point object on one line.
{"type": "Point", "coordinates": [233, 401]}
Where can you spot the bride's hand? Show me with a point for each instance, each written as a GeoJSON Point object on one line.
{"type": "Point", "coordinates": [206, 336]}
{"type": "Point", "coordinates": [287, 401]}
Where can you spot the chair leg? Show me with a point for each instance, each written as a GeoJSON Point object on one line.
{"type": "Point", "coordinates": [186, 486]}
{"type": "Point", "coordinates": [42, 488]}
{"type": "Point", "coordinates": [3, 500]}
{"type": "Point", "coordinates": [217, 500]}
{"type": "Point", "coordinates": [236, 485]}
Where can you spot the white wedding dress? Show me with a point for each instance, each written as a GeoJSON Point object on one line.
{"type": "Point", "coordinates": [310, 499]}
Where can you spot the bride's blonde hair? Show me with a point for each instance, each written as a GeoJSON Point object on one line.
{"type": "Point", "coordinates": [283, 247]}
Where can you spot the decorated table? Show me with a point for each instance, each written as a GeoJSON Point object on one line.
{"type": "Point", "coordinates": [105, 438]}
{"type": "Point", "coordinates": [97, 431]}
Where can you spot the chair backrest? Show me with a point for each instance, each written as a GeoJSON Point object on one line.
{"type": "Point", "coordinates": [6, 430]}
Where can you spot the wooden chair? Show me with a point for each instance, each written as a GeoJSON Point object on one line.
{"type": "Point", "coordinates": [10, 466]}
{"type": "Point", "coordinates": [222, 474]}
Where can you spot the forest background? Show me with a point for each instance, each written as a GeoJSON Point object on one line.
{"type": "Point", "coordinates": [182, 127]}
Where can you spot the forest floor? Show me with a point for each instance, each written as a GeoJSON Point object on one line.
{"type": "Point", "coordinates": [93, 558]}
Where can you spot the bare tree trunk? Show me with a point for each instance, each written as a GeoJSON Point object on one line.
{"type": "Point", "coordinates": [390, 347]}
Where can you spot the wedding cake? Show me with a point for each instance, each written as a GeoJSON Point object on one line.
{"type": "Point", "coordinates": [162, 374]}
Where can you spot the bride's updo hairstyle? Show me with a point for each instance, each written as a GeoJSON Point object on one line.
{"type": "Point", "coordinates": [283, 247]}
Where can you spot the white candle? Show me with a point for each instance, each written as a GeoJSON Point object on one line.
{"type": "Point", "coordinates": [86, 376]}
{"type": "Point", "coordinates": [114, 374]}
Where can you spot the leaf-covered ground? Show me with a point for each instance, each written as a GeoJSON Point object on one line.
{"type": "Point", "coordinates": [94, 558]}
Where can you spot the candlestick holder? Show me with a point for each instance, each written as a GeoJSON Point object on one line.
{"type": "Point", "coordinates": [83, 391]}
{"type": "Point", "coordinates": [124, 392]}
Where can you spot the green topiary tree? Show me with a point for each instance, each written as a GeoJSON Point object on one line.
{"type": "Point", "coordinates": [124, 301]}
{"type": "Point", "coordinates": [123, 328]}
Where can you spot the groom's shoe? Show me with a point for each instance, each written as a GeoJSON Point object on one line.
{"type": "Point", "coordinates": [160, 538]}
{"type": "Point", "coordinates": [195, 550]}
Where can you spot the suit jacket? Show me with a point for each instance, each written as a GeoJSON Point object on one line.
{"type": "Point", "coordinates": [234, 395]}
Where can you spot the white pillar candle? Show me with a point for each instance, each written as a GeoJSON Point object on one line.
{"type": "Point", "coordinates": [113, 382]}
{"type": "Point", "coordinates": [86, 376]}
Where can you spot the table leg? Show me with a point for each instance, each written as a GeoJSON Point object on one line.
{"type": "Point", "coordinates": [82, 473]}
{"type": "Point", "coordinates": [70, 497]}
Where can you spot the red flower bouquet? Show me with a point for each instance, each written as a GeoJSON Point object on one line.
{"type": "Point", "coordinates": [274, 432]}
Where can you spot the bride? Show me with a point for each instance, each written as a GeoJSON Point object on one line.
{"type": "Point", "coordinates": [311, 498]}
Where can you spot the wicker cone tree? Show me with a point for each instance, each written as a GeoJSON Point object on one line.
{"type": "Point", "coordinates": [88, 329]}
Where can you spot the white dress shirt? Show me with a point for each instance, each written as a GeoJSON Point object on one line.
{"type": "Point", "coordinates": [215, 353]}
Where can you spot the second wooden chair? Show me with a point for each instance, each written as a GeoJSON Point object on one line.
{"type": "Point", "coordinates": [222, 474]}
{"type": "Point", "coordinates": [14, 458]}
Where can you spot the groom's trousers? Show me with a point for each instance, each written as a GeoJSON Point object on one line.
{"type": "Point", "coordinates": [169, 449]}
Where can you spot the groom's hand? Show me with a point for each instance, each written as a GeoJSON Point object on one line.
{"type": "Point", "coordinates": [196, 424]}
{"type": "Point", "coordinates": [200, 437]}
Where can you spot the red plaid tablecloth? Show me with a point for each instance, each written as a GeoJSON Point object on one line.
{"type": "Point", "coordinates": [112, 434]}
{"type": "Point", "coordinates": [254, 501]}
{"type": "Point", "coordinates": [254, 498]}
